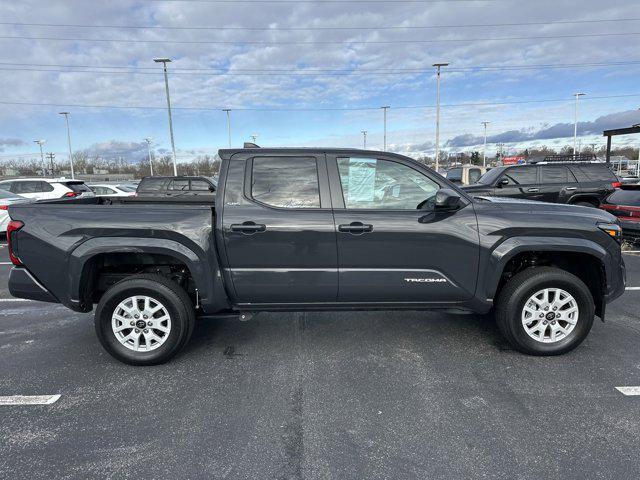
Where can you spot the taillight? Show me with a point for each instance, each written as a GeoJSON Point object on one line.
{"type": "Point", "coordinates": [4, 207]}
{"type": "Point", "coordinates": [70, 194]}
{"type": "Point", "coordinates": [616, 184]}
{"type": "Point", "coordinates": [13, 226]}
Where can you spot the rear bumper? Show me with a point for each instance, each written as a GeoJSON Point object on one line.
{"type": "Point", "coordinates": [23, 285]}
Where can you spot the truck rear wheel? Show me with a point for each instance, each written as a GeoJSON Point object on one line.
{"type": "Point", "coordinates": [144, 320]}
{"type": "Point", "coordinates": [545, 311]}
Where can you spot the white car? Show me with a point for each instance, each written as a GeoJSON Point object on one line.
{"type": "Point", "coordinates": [6, 199]}
{"type": "Point", "coordinates": [46, 188]}
{"type": "Point", "coordinates": [113, 189]}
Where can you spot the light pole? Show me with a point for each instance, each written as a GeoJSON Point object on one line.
{"type": "Point", "coordinates": [438, 65]}
{"type": "Point", "coordinates": [149, 141]}
{"type": "Point", "coordinates": [364, 139]}
{"type": "Point", "coordinates": [484, 148]}
{"type": "Point", "coordinates": [66, 118]}
{"type": "Point", "coordinates": [253, 137]}
{"type": "Point", "coordinates": [228, 110]}
{"type": "Point", "coordinates": [40, 143]}
{"type": "Point", "coordinates": [384, 109]}
{"type": "Point", "coordinates": [164, 62]}
{"type": "Point", "coordinates": [575, 122]}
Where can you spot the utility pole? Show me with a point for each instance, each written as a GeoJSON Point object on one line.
{"type": "Point", "coordinates": [149, 141]}
{"type": "Point", "coordinates": [66, 117]}
{"type": "Point", "coordinates": [438, 66]}
{"type": "Point", "coordinates": [384, 109]}
{"type": "Point", "coordinates": [228, 110]}
{"type": "Point", "coordinates": [484, 148]}
{"type": "Point", "coordinates": [40, 143]}
{"type": "Point", "coordinates": [364, 139]}
{"type": "Point", "coordinates": [164, 62]}
{"type": "Point", "coordinates": [253, 137]}
{"type": "Point", "coordinates": [51, 156]}
{"type": "Point", "coordinates": [575, 122]}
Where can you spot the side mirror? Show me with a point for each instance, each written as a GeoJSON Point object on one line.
{"type": "Point", "coordinates": [503, 182]}
{"type": "Point", "coordinates": [212, 188]}
{"type": "Point", "coordinates": [447, 199]}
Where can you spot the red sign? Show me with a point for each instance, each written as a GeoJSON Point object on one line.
{"type": "Point", "coordinates": [514, 160]}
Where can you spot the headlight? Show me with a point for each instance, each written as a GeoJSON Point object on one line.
{"type": "Point", "coordinates": [612, 229]}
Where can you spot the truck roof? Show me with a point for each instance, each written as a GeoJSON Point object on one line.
{"type": "Point", "coordinates": [227, 153]}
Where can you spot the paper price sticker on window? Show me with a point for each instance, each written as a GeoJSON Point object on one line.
{"type": "Point", "coordinates": [362, 179]}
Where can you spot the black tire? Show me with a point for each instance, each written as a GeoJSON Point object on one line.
{"type": "Point", "coordinates": [511, 302]}
{"type": "Point", "coordinates": [586, 204]}
{"type": "Point", "coordinates": [168, 293]}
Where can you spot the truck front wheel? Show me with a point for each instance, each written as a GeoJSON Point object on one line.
{"type": "Point", "coordinates": [144, 319]}
{"type": "Point", "coordinates": [545, 311]}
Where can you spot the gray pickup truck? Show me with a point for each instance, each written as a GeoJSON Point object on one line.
{"type": "Point", "coordinates": [317, 229]}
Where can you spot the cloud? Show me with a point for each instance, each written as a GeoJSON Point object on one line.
{"type": "Point", "coordinates": [11, 142]}
{"type": "Point", "coordinates": [559, 130]}
{"type": "Point", "coordinates": [115, 149]}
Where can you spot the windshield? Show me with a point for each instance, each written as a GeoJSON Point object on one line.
{"type": "Point", "coordinates": [127, 188]}
{"type": "Point", "coordinates": [491, 176]}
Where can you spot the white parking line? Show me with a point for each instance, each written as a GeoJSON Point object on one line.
{"type": "Point", "coordinates": [6, 263]}
{"type": "Point", "coordinates": [631, 251]}
{"type": "Point", "coordinates": [15, 300]}
{"type": "Point", "coordinates": [629, 391]}
{"type": "Point", "coordinates": [29, 399]}
{"type": "Point", "coordinates": [632, 288]}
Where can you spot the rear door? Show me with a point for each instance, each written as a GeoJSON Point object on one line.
{"type": "Point", "coordinates": [389, 251]}
{"type": "Point", "coordinates": [278, 228]}
{"type": "Point", "coordinates": [557, 184]}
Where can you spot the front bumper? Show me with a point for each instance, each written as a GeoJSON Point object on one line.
{"type": "Point", "coordinates": [23, 285]}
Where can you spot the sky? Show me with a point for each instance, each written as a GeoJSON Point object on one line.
{"type": "Point", "coordinates": [315, 73]}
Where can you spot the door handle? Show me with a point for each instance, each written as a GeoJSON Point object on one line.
{"type": "Point", "coordinates": [571, 188]}
{"type": "Point", "coordinates": [356, 228]}
{"type": "Point", "coordinates": [248, 228]}
{"type": "Point", "coordinates": [533, 190]}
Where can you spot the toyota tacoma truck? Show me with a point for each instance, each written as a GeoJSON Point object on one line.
{"type": "Point", "coordinates": [317, 229]}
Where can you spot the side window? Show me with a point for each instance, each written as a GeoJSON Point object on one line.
{"type": "Point", "coordinates": [46, 187]}
{"type": "Point", "coordinates": [521, 176]}
{"type": "Point", "coordinates": [286, 182]}
{"type": "Point", "coordinates": [179, 185]}
{"type": "Point", "coordinates": [199, 185]}
{"type": "Point", "coordinates": [27, 187]}
{"type": "Point", "coordinates": [549, 174]}
{"type": "Point", "coordinates": [98, 190]}
{"type": "Point", "coordinates": [371, 183]}
{"type": "Point", "coordinates": [7, 186]}
{"type": "Point", "coordinates": [474, 175]}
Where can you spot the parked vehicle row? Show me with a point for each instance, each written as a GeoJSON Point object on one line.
{"type": "Point", "coordinates": [579, 183]}
{"type": "Point", "coordinates": [318, 229]}
{"type": "Point", "coordinates": [176, 186]}
{"type": "Point", "coordinates": [113, 189]}
{"type": "Point", "coordinates": [46, 188]}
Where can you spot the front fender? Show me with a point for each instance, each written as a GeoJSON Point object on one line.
{"type": "Point", "coordinates": [508, 249]}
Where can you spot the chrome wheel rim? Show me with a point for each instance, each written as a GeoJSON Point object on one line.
{"type": "Point", "coordinates": [550, 315]}
{"type": "Point", "coordinates": [141, 323]}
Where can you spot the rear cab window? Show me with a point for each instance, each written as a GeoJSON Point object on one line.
{"type": "Point", "coordinates": [285, 182]}
{"type": "Point", "coordinates": [153, 184]}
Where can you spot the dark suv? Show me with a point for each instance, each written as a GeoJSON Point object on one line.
{"type": "Point", "coordinates": [176, 186]}
{"type": "Point", "coordinates": [578, 183]}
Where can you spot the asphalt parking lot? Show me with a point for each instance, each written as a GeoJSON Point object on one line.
{"type": "Point", "coordinates": [384, 395]}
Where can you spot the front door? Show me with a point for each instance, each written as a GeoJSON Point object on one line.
{"type": "Point", "coordinates": [519, 182]}
{"type": "Point", "coordinates": [389, 250]}
{"type": "Point", "coordinates": [279, 234]}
